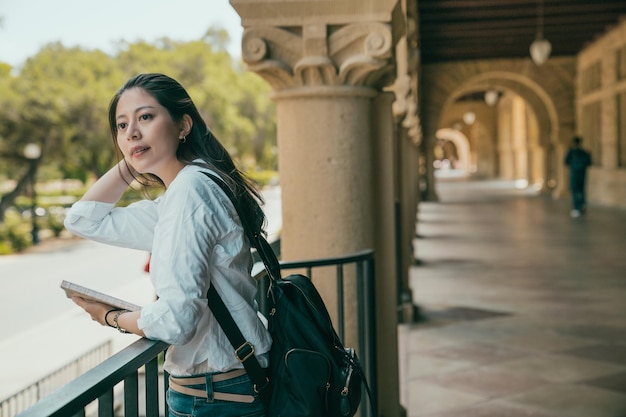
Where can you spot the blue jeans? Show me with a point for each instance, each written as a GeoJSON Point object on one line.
{"type": "Point", "coordinates": [182, 405]}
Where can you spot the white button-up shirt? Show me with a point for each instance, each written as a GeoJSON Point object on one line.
{"type": "Point", "coordinates": [196, 239]}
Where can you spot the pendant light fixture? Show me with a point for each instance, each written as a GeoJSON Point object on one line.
{"type": "Point", "coordinates": [491, 97]}
{"type": "Point", "coordinates": [540, 49]}
{"type": "Point", "coordinates": [469, 118]}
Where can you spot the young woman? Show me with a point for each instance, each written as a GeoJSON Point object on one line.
{"type": "Point", "coordinates": [195, 238]}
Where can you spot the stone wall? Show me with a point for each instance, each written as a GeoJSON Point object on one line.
{"type": "Point", "coordinates": [601, 111]}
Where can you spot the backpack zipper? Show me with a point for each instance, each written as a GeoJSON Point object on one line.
{"type": "Point", "coordinates": [346, 389]}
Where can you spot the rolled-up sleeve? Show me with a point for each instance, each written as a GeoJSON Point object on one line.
{"type": "Point", "coordinates": [129, 227]}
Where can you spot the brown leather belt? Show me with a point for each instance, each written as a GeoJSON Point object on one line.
{"type": "Point", "coordinates": [182, 385]}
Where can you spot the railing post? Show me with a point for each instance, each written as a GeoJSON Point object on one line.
{"type": "Point", "coordinates": [131, 395]}
{"type": "Point", "coordinates": [370, 308]}
{"type": "Point", "coordinates": [151, 383]}
{"type": "Point", "coordinates": [340, 301]}
{"type": "Point", "coordinates": [105, 404]}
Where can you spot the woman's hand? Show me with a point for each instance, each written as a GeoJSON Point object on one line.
{"type": "Point", "coordinates": [96, 310]}
{"type": "Point", "coordinates": [127, 320]}
{"type": "Point", "coordinates": [111, 186]}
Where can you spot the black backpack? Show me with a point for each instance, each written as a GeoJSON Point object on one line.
{"type": "Point", "coordinates": [311, 373]}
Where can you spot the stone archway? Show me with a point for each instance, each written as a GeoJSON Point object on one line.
{"type": "Point", "coordinates": [548, 91]}
{"type": "Point", "coordinates": [462, 147]}
{"type": "Point", "coordinates": [524, 127]}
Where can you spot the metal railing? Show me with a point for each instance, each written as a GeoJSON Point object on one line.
{"type": "Point", "coordinates": [121, 371]}
{"type": "Point", "coordinates": [99, 383]}
{"type": "Point", "coordinates": [28, 396]}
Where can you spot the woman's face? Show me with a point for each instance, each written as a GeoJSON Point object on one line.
{"type": "Point", "coordinates": [147, 135]}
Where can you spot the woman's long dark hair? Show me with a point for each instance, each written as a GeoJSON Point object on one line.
{"type": "Point", "coordinates": [200, 143]}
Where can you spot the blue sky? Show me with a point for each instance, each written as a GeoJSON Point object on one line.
{"type": "Point", "coordinates": [27, 25]}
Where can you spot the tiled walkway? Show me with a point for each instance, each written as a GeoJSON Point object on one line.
{"type": "Point", "coordinates": [526, 307]}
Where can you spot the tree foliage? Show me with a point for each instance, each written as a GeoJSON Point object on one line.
{"type": "Point", "coordinates": [59, 98]}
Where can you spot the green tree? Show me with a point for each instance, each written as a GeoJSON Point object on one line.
{"type": "Point", "coordinates": [83, 83]}
{"type": "Point", "coordinates": [59, 100]}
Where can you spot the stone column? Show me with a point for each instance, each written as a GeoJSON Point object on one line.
{"type": "Point", "coordinates": [327, 63]}
{"type": "Point", "coordinates": [608, 116]}
{"type": "Point", "coordinates": [519, 138]}
{"type": "Point", "coordinates": [385, 149]}
{"type": "Point", "coordinates": [408, 135]}
{"type": "Point", "coordinates": [536, 154]}
{"type": "Point", "coordinates": [408, 55]}
{"type": "Point", "coordinates": [506, 159]}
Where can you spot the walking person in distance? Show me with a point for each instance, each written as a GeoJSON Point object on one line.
{"type": "Point", "coordinates": [578, 160]}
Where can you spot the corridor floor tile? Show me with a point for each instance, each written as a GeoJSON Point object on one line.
{"type": "Point", "coordinates": [559, 368]}
{"type": "Point", "coordinates": [606, 312]}
{"type": "Point", "coordinates": [487, 382]}
{"type": "Point", "coordinates": [546, 341]}
{"type": "Point", "coordinates": [574, 401]}
{"type": "Point", "coordinates": [425, 399]}
{"type": "Point", "coordinates": [610, 334]}
{"type": "Point", "coordinates": [495, 409]}
{"type": "Point", "coordinates": [425, 340]}
{"type": "Point", "coordinates": [479, 353]}
{"type": "Point", "coordinates": [615, 382]}
{"type": "Point", "coordinates": [472, 332]}
{"type": "Point", "coordinates": [423, 365]}
{"type": "Point", "coordinates": [601, 352]}
{"type": "Point", "coordinates": [590, 316]}
{"type": "Point", "coordinates": [463, 314]}
{"type": "Point", "coordinates": [564, 299]}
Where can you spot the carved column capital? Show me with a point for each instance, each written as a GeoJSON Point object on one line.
{"type": "Point", "coordinates": [405, 108]}
{"type": "Point", "coordinates": [319, 55]}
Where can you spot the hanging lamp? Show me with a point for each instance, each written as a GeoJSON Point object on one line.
{"type": "Point", "coordinates": [491, 97]}
{"type": "Point", "coordinates": [469, 118]}
{"type": "Point", "coordinates": [540, 48]}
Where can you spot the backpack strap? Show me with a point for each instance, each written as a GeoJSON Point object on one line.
{"type": "Point", "coordinates": [244, 350]}
{"type": "Point", "coordinates": [256, 239]}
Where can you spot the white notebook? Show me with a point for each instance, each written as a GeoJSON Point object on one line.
{"type": "Point", "coordinates": [72, 289]}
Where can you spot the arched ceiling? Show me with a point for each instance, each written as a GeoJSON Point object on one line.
{"type": "Point", "coordinates": [502, 81]}
{"type": "Point", "coordinates": [454, 30]}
